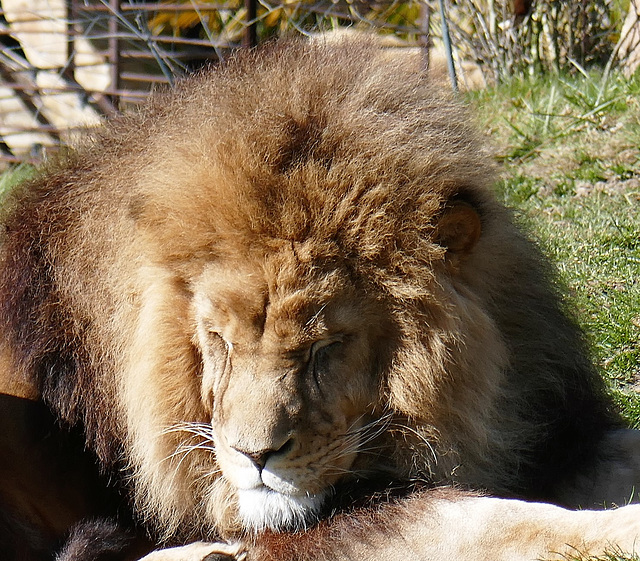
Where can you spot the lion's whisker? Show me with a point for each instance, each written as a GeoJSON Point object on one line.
{"type": "Point", "coordinates": [197, 429]}
{"type": "Point", "coordinates": [209, 474]}
{"type": "Point", "coordinates": [406, 429]}
{"type": "Point", "coordinates": [185, 449]}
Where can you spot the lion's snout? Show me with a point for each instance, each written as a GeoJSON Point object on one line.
{"type": "Point", "coordinates": [288, 462]}
{"type": "Point", "coordinates": [257, 438]}
{"type": "Point", "coordinates": [281, 485]}
{"type": "Point", "coordinates": [283, 472]}
{"type": "Point", "coordinates": [269, 467]}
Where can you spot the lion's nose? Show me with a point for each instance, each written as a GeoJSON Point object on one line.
{"type": "Point", "coordinates": [260, 457]}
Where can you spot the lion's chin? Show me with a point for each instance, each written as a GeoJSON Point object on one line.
{"type": "Point", "coordinates": [262, 509]}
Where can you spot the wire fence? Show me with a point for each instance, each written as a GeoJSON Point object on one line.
{"type": "Point", "coordinates": [65, 64]}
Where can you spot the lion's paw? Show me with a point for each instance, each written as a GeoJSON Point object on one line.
{"type": "Point", "coordinates": [198, 551]}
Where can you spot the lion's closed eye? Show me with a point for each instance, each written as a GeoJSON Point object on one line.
{"type": "Point", "coordinates": [218, 343]}
{"type": "Point", "coordinates": [321, 354]}
{"type": "Point", "coordinates": [216, 355]}
{"type": "Point", "coordinates": [325, 346]}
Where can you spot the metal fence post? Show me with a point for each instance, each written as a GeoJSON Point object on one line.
{"type": "Point", "coordinates": [114, 51]}
{"type": "Point", "coordinates": [250, 38]}
{"type": "Point", "coordinates": [71, 37]}
{"type": "Point", "coordinates": [446, 39]}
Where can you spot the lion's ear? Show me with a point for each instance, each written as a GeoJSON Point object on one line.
{"type": "Point", "coordinates": [459, 227]}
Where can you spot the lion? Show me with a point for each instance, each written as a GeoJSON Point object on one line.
{"type": "Point", "coordinates": [283, 311]}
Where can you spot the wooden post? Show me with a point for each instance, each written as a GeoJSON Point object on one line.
{"type": "Point", "coordinates": [425, 33]}
{"type": "Point", "coordinates": [71, 36]}
{"type": "Point", "coordinates": [629, 51]}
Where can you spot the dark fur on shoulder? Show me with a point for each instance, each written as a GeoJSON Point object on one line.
{"type": "Point", "coordinates": [102, 540]}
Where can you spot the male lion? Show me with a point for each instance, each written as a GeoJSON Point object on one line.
{"type": "Point", "coordinates": [283, 308]}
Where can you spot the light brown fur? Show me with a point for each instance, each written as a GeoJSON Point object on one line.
{"type": "Point", "coordinates": [300, 255]}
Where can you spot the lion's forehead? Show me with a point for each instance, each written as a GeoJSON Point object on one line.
{"type": "Point", "coordinates": [279, 300]}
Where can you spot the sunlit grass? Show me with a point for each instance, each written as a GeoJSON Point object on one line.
{"type": "Point", "coordinates": [569, 149]}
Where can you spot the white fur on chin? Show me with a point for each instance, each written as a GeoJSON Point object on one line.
{"type": "Point", "coordinates": [262, 509]}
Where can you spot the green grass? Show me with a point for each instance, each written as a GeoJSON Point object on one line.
{"type": "Point", "coordinates": [11, 178]}
{"type": "Point", "coordinates": [16, 175]}
{"type": "Point", "coordinates": [570, 161]}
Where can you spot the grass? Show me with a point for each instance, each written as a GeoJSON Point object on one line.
{"type": "Point", "coordinates": [609, 556]}
{"type": "Point", "coordinates": [12, 178]}
{"type": "Point", "coordinates": [570, 159]}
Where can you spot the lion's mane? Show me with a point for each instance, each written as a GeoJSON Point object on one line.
{"type": "Point", "coordinates": [353, 154]}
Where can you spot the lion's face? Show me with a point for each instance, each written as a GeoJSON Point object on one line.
{"type": "Point", "coordinates": [290, 374]}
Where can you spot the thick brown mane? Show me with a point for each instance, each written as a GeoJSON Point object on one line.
{"type": "Point", "coordinates": [290, 179]}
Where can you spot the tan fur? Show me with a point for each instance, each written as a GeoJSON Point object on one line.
{"type": "Point", "coordinates": [12, 383]}
{"type": "Point", "coordinates": [295, 258]}
{"type": "Point", "coordinates": [440, 526]}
